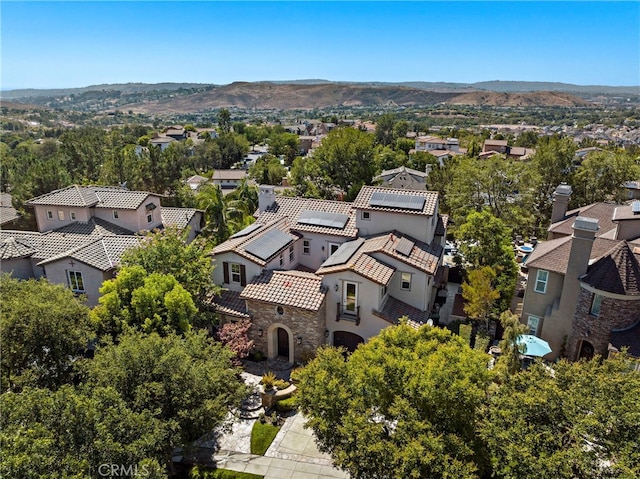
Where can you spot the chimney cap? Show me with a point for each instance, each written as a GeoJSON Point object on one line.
{"type": "Point", "coordinates": [563, 189]}
{"type": "Point", "coordinates": [586, 224]}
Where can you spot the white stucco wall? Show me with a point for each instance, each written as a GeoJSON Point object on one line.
{"type": "Point", "coordinates": [319, 248]}
{"type": "Point", "coordinates": [419, 227]}
{"type": "Point", "coordinates": [46, 224]}
{"type": "Point", "coordinates": [19, 268]}
{"type": "Point", "coordinates": [252, 270]}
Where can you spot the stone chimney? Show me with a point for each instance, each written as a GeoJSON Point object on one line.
{"type": "Point", "coordinates": [561, 197]}
{"type": "Point", "coordinates": [266, 197]}
{"type": "Point", "coordinates": [584, 232]}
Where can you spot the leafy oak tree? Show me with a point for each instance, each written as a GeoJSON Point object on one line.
{"type": "Point", "coordinates": [43, 326]}
{"type": "Point", "coordinates": [386, 411]}
{"type": "Point", "coordinates": [580, 420]}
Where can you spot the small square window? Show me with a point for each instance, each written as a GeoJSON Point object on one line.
{"type": "Point", "coordinates": [532, 324]}
{"type": "Point", "coordinates": [281, 259]}
{"type": "Point", "coordinates": [60, 215]}
{"type": "Point", "coordinates": [236, 275]}
{"type": "Point", "coordinates": [366, 215]}
{"type": "Point", "coordinates": [49, 215]}
{"type": "Point", "coordinates": [149, 218]}
{"type": "Point", "coordinates": [405, 283]}
{"type": "Point", "coordinates": [72, 215]}
{"type": "Point", "coordinates": [75, 281]}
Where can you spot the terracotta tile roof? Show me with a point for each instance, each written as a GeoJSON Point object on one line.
{"type": "Point", "coordinates": [603, 212]}
{"type": "Point", "coordinates": [616, 272]}
{"type": "Point", "coordinates": [363, 198]}
{"type": "Point", "coordinates": [553, 255]}
{"type": "Point", "coordinates": [13, 248]}
{"type": "Point", "coordinates": [496, 142]}
{"type": "Point", "coordinates": [365, 262]}
{"type": "Point", "coordinates": [287, 288]}
{"type": "Point", "coordinates": [229, 304]}
{"type": "Point", "coordinates": [291, 207]}
{"type": "Point", "coordinates": [92, 196]}
{"type": "Point", "coordinates": [394, 309]}
{"type": "Point", "coordinates": [238, 244]}
{"type": "Point", "coordinates": [177, 217]}
{"type": "Point", "coordinates": [7, 211]}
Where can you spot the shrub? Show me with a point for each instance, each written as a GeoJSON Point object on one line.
{"type": "Point", "coordinates": [286, 405]}
{"type": "Point", "coordinates": [281, 384]}
{"type": "Point", "coordinates": [465, 332]}
{"type": "Point", "coordinates": [268, 380]}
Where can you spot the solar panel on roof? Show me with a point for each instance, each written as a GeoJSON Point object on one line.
{"type": "Point", "coordinates": [249, 229]}
{"type": "Point", "coordinates": [323, 218]}
{"type": "Point", "coordinates": [265, 246]}
{"type": "Point", "coordinates": [404, 246]}
{"type": "Point", "coordinates": [395, 200]}
{"type": "Point", "coordinates": [343, 253]}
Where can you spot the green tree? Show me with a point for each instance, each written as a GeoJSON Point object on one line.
{"type": "Point", "coordinates": [580, 420]}
{"type": "Point", "coordinates": [224, 121]}
{"type": "Point", "coordinates": [66, 433]}
{"type": "Point", "coordinates": [168, 252]}
{"type": "Point", "coordinates": [150, 302]}
{"type": "Point", "coordinates": [210, 199]}
{"type": "Point", "coordinates": [386, 411]}
{"type": "Point", "coordinates": [232, 148]}
{"type": "Point", "coordinates": [286, 145]}
{"type": "Point", "coordinates": [43, 328]}
{"type": "Point", "coordinates": [486, 241]}
{"type": "Point", "coordinates": [268, 171]}
{"type": "Point", "coordinates": [385, 129]}
{"type": "Point", "coordinates": [479, 293]}
{"type": "Point", "coordinates": [509, 362]}
{"type": "Point", "coordinates": [602, 175]}
{"type": "Point", "coordinates": [187, 382]}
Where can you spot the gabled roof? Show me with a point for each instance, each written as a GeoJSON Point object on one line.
{"type": "Point", "coordinates": [365, 260]}
{"type": "Point", "coordinates": [92, 196]}
{"type": "Point", "coordinates": [617, 272]}
{"type": "Point", "coordinates": [603, 212]}
{"type": "Point", "coordinates": [239, 244]}
{"type": "Point", "coordinates": [177, 217]}
{"type": "Point", "coordinates": [363, 200]}
{"type": "Point", "coordinates": [287, 288]}
{"type": "Point", "coordinates": [229, 174]}
{"type": "Point", "coordinates": [102, 253]}
{"type": "Point", "coordinates": [95, 226]}
{"type": "Point", "coordinates": [553, 255]}
{"type": "Point", "coordinates": [285, 206]}
{"type": "Point", "coordinates": [7, 212]}
{"type": "Point", "coordinates": [402, 169]}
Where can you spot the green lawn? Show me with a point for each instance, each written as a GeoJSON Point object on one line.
{"type": "Point", "coordinates": [262, 436]}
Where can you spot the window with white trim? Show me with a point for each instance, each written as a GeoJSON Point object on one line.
{"type": "Point", "coordinates": [306, 247]}
{"type": "Point", "coordinates": [49, 214]}
{"type": "Point", "coordinates": [541, 281]}
{"type": "Point", "coordinates": [350, 298]}
{"type": "Point", "coordinates": [60, 215]}
{"type": "Point", "coordinates": [75, 281]}
{"type": "Point", "coordinates": [366, 215]}
{"type": "Point", "coordinates": [532, 323]}
{"type": "Point", "coordinates": [72, 215]}
{"type": "Point", "coordinates": [235, 273]}
{"type": "Point", "coordinates": [596, 304]}
{"type": "Point", "coordinates": [405, 281]}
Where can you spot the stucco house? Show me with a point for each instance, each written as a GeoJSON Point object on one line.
{"type": "Point", "coordinates": [310, 272]}
{"type": "Point", "coordinates": [83, 231]}
{"type": "Point", "coordinates": [403, 178]}
{"type": "Point", "coordinates": [583, 289]}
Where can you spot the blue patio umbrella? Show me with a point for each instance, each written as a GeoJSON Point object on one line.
{"type": "Point", "coordinates": [533, 346]}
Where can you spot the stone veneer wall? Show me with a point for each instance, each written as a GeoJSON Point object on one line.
{"type": "Point", "coordinates": [614, 314]}
{"type": "Point", "coordinates": [309, 325]}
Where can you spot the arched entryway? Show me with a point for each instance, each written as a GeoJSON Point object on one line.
{"type": "Point", "coordinates": [280, 342]}
{"type": "Point", "coordinates": [586, 350]}
{"type": "Point", "coordinates": [347, 340]}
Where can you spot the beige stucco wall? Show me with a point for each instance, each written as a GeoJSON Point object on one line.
{"type": "Point", "coordinates": [319, 248]}
{"type": "Point", "coordinates": [134, 220]}
{"type": "Point", "coordinates": [536, 303]}
{"type": "Point", "coordinates": [18, 268]}
{"type": "Point", "coordinates": [419, 227]}
{"type": "Point", "coordinates": [252, 270]}
{"type": "Point", "coordinates": [92, 278]}
{"type": "Point", "coordinates": [44, 224]}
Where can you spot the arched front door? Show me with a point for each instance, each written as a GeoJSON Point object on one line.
{"type": "Point", "coordinates": [283, 343]}
{"type": "Point", "coordinates": [347, 340]}
{"type": "Point", "coordinates": [586, 350]}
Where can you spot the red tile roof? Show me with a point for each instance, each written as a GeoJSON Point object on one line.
{"type": "Point", "coordinates": [288, 288]}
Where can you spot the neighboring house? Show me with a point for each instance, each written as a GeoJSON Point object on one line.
{"type": "Point", "coordinates": [196, 181]}
{"type": "Point", "coordinates": [82, 232]}
{"type": "Point", "coordinates": [440, 148]}
{"type": "Point", "coordinates": [310, 272]}
{"type": "Point", "coordinates": [494, 147]}
{"type": "Point", "coordinates": [161, 142]}
{"type": "Point", "coordinates": [583, 292]}
{"type": "Point", "coordinates": [228, 179]}
{"type": "Point", "coordinates": [8, 214]}
{"type": "Point", "coordinates": [403, 178]}
{"type": "Point", "coordinates": [499, 146]}
{"type": "Point", "coordinates": [176, 132]}
{"type": "Point", "coordinates": [582, 153]}
{"type": "Point", "coordinates": [633, 189]}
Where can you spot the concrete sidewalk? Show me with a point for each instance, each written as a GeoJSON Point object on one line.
{"type": "Point", "coordinates": [292, 454]}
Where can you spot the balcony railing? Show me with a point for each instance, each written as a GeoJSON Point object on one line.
{"type": "Point", "coordinates": [347, 315]}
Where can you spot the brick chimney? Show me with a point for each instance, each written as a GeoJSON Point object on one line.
{"type": "Point", "coordinates": [561, 197]}
{"type": "Point", "coordinates": [266, 197]}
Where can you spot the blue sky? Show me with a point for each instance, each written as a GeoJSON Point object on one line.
{"type": "Point", "coordinates": [75, 44]}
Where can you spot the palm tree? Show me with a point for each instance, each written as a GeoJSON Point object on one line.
{"type": "Point", "coordinates": [210, 199]}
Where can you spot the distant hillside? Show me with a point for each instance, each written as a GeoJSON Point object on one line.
{"type": "Point", "coordinates": [125, 88]}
